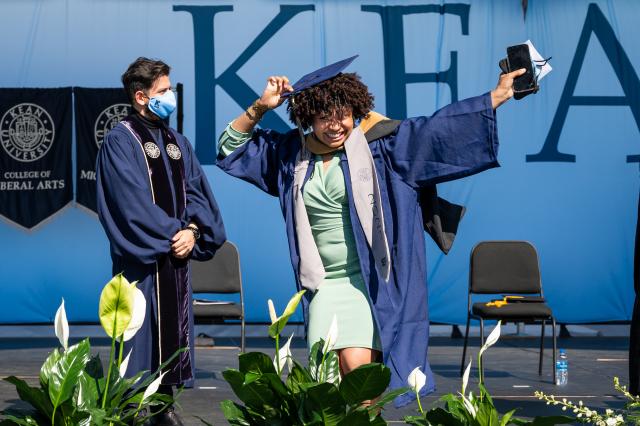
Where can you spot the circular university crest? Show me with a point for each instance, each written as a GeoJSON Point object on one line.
{"type": "Point", "coordinates": [108, 119]}
{"type": "Point", "coordinates": [174, 151]}
{"type": "Point", "coordinates": [26, 132]}
{"type": "Point", "coordinates": [152, 150]}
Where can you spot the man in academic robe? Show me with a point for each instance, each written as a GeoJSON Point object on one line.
{"type": "Point", "coordinates": [158, 211]}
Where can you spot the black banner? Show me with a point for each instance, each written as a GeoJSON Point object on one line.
{"type": "Point", "coordinates": [35, 154]}
{"type": "Point", "coordinates": [97, 112]}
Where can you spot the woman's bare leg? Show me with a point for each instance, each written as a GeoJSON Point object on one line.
{"type": "Point", "coordinates": [352, 358]}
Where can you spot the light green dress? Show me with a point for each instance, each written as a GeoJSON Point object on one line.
{"type": "Point", "coordinates": [343, 292]}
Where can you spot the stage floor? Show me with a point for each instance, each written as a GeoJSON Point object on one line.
{"type": "Point", "coordinates": [510, 371]}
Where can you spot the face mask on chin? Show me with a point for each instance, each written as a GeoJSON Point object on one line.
{"type": "Point", "coordinates": [163, 105]}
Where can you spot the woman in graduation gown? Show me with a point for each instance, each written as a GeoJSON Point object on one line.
{"type": "Point", "coordinates": [348, 190]}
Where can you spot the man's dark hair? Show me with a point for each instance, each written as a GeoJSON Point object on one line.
{"type": "Point", "coordinates": [141, 74]}
{"type": "Point", "coordinates": [342, 92]}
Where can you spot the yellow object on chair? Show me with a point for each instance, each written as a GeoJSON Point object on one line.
{"type": "Point", "coordinates": [505, 300]}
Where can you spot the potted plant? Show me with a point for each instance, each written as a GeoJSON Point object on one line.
{"type": "Point", "coordinates": [73, 388]}
{"type": "Point", "coordinates": [309, 395]}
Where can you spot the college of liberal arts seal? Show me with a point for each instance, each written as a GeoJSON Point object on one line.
{"type": "Point", "coordinates": [108, 119]}
{"type": "Point", "coordinates": [26, 132]}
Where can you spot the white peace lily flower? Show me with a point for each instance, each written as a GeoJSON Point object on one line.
{"type": "Point", "coordinates": [153, 387]}
{"type": "Point", "coordinates": [332, 336]}
{"type": "Point", "coordinates": [492, 339]}
{"type": "Point", "coordinates": [416, 380]}
{"type": "Point", "coordinates": [123, 367]}
{"type": "Point", "coordinates": [138, 314]}
{"type": "Point", "coordinates": [62, 326]}
{"type": "Point", "coordinates": [284, 355]}
{"type": "Point", "coordinates": [465, 377]}
{"type": "Point", "coordinates": [469, 406]}
{"type": "Point", "coordinates": [272, 311]}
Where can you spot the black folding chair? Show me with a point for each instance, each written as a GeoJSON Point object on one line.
{"type": "Point", "coordinates": [221, 274]}
{"type": "Point", "coordinates": [507, 268]}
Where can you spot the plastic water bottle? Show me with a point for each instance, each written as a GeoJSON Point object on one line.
{"type": "Point", "coordinates": [562, 368]}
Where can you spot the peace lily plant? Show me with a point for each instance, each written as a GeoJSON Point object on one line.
{"type": "Point", "coordinates": [315, 394]}
{"type": "Point", "coordinates": [73, 388]}
{"type": "Point", "coordinates": [466, 409]}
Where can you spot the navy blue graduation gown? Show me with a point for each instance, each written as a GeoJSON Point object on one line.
{"type": "Point", "coordinates": [458, 140]}
{"type": "Point", "coordinates": [140, 232]}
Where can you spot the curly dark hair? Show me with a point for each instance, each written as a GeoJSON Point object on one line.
{"type": "Point", "coordinates": [342, 92]}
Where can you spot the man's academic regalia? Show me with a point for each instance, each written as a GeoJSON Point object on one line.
{"type": "Point", "coordinates": [150, 185]}
{"type": "Point", "coordinates": [409, 156]}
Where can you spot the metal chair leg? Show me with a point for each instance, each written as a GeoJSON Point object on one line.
{"type": "Point", "coordinates": [555, 350]}
{"type": "Point", "coordinates": [481, 345]}
{"type": "Point", "coordinates": [242, 337]}
{"type": "Point", "coordinates": [464, 349]}
{"type": "Point", "coordinates": [541, 348]}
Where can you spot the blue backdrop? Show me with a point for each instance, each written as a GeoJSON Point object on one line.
{"type": "Point", "coordinates": [569, 176]}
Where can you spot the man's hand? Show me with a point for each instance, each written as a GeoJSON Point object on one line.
{"type": "Point", "coordinates": [504, 90]}
{"type": "Point", "coordinates": [182, 243]}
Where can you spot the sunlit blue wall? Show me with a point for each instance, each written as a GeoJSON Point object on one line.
{"type": "Point", "coordinates": [580, 212]}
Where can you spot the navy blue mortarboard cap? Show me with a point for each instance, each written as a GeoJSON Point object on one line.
{"type": "Point", "coordinates": [319, 75]}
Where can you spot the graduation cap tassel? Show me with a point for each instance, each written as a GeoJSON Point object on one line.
{"type": "Point", "coordinates": [299, 124]}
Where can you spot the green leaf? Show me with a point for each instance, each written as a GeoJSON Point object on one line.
{"type": "Point", "coordinates": [276, 328]}
{"type": "Point", "coordinates": [22, 421]}
{"type": "Point", "coordinates": [34, 396]}
{"type": "Point", "coordinates": [256, 394]}
{"type": "Point", "coordinates": [234, 413]}
{"type": "Point", "coordinates": [387, 398]}
{"type": "Point", "coordinates": [255, 362]}
{"type": "Point", "coordinates": [151, 377]}
{"type": "Point", "coordinates": [355, 418]}
{"type": "Point", "coordinates": [96, 416]}
{"type": "Point", "coordinates": [484, 393]}
{"type": "Point", "coordinates": [94, 367]}
{"type": "Point", "coordinates": [439, 416]}
{"type": "Point", "coordinates": [504, 421]}
{"type": "Point", "coordinates": [276, 384]}
{"type": "Point", "coordinates": [64, 374]}
{"type": "Point", "coordinates": [378, 421]}
{"type": "Point", "coordinates": [331, 368]}
{"type": "Point", "coordinates": [487, 414]}
{"type": "Point", "coordinates": [116, 306]}
{"type": "Point", "coordinates": [325, 399]}
{"type": "Point", "coordinates": [124, 386]}
{"type": "Point", "coordinates": [85, 396]}
{"type": "Point", "coordinates": [315, 358]}
{"type": "Point", "coordinates": [297, 376]}
{"type": "Point", "coordinates": [418, 421]}
{"type": "Point", "coordinates": [45, 370]}
{"type": "Point", "coordinates": [364, 383]}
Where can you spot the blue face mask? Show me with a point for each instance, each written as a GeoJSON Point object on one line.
{"type": "Point", "coordinates": [163, 105]}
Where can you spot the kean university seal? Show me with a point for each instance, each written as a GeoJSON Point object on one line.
{"type": "Point", "coordinates": [108, 119]}
{"type": "Point", "coordinates": [26, 132]}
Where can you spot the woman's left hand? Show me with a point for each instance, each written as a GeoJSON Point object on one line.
{"type": "Point", "coordinates": [504, 90]}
